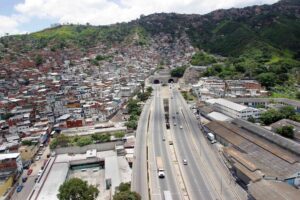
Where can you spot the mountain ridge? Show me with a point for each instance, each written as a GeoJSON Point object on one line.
{"type": "Point", "coordinates": [256, 39]}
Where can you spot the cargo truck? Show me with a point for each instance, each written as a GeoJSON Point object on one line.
{"type": "Point", "coordinates": [160, 167]}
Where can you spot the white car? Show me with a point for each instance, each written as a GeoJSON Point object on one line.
{"type": "Point", "coordinates": [185, 162]}
{"type": "Point", "coordinates": [37, 158]}
{"type": "Point", "coordinates": [181, 127]}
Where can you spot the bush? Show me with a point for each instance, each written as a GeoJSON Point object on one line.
{"type": "Point", "coordinates": [60, 141]}
{"type": "Point", "coordinates": [119, 134]}
{"type": "Point", "coordinates": [286, 131]}
{"type": "Point", "coordinates": [101, 137]}
{"type": "Point", "coordinates": [131, 124]}
{"type": "Point", "coordinates": [27, 143]}
{"type": "Point", "coordinates": [178, 71]}
{"type": "Point", "coordinates": [83, 141]}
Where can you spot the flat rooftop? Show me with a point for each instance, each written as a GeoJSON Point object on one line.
{"type": "Point", "coordinates": [271, 159]}
{"type": "Point", "coordinates": [56, 177]}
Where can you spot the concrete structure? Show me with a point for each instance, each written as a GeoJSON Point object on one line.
{"type": "Point", "coordinates": [112, 176]}
{"type": "Point", "coordinates": [253, 102]}
{"type": "Point", "coordinates": [162, 76]}
{"type": "Point", "coordinates": [234, 110]}
{"type": "Point", "coordinates": [56, 177]}
{"type": "Point", "coordinates": [288, 122]}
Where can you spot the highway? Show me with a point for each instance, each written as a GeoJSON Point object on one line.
{"type": "Point", "coordinates": [139, 172]}
{"type": "Point", "coordinates": [213, 179]}
{"type": "Point", "coordinates": [159, 148]}
{"type": "Point", "coordinates": [197, 185]}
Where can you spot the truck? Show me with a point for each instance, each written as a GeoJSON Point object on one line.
{"type": "Point", "coordinates": [160, 167]}
{"type": "Point", "coordinates": [167, 195]}
{"type": "Point", "coordinates": [211, 138]}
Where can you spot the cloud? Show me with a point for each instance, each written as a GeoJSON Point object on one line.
{"type": "Point", "coordinates": [8, 25]}
{"type": "Point", "coordinates": [101, 12]}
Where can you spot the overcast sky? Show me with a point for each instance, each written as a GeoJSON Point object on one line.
{"type": "Point", "coordinates": [21, 16]}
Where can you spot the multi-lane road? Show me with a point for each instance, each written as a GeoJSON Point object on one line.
{"type": "Point", "coordinates": [204, 177]}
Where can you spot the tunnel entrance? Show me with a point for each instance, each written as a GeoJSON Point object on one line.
{"type": "Point", "coordinates": [171, 80]}
{"type": "Point", "coordinates": [156, 81]}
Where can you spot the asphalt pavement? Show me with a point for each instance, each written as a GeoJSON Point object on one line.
{"type": "Point", "coordinates": [139, 172]}
{"type": "Point", "coordinates": [218, 179]}
{"type": "Point", "coordinates": [159, 148]}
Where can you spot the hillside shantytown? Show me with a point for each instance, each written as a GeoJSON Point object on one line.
{"type": "Point", "coordinates": [166, 106]}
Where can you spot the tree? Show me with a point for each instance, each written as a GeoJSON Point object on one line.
{"type": "Point", "coordinates": [77, 189]}
{"type": "Point", "coordinates": [149, 89]}
{"type": "Point", "coordinates": [123, 193]}
{"type": "Point", "coordinates": [298, 95]}
{"type": "Point", "coordinates": [286, 131]}
{"type": "Point", "coordinates": [178, 71]}
{"type": "Point", "coordinates": [251, 119]}
{"type": "Point", "coordinates": [287, 111]}
{"type": "Point", "coordinates": [61, 140]}
{"type": "Point", "coordinates": [270, 116]}
{"type": "Point", "coordinates": [267, 79]}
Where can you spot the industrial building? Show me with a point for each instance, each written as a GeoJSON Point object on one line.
{"type": "Point", "coordinates": [233, 110]}
{"type": "Point", "coordinates": [266, 163]}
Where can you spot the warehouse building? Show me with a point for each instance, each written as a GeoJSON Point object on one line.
{"type": "Point", "coordinates": [234, 110]}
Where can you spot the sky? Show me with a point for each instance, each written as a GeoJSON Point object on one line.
{"type": "Point", "coordinates": [23, 16]}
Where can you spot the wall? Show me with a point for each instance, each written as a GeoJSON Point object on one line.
{"type": "Point", "coordinates": [6, 185]}
{"type": "Point", "coordinates": [79, 150]}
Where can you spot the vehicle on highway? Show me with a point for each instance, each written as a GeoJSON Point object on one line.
{"type": "Point", "coordinates": [29, 172]}
{"type": "Point", "coordinates": [185, 162]}
{"type": "Point", "coordinates": [170, 142]}
{"type": "Point", "coordinates": [211, 138]}
{"type": "Point", "coordinates": [40, 173]}
{"type": "Point", "coordinates": [167, 195]}
{"type": "Point", "coordinates": [24, 179]}
{"type": "Point", "coordinates": [174, 124]}
{"type": "Point", "coordinates": [173, 116]}
{"type": "Point", "coordinates": [37, 158]}
{"type": "Point", "coordinates": [164, 139]}
{"type": "Point", "coordinates": [160, 167]}
{"type": "Point", "coordinates": [177, 112]}
{"type": "Point", "coordinates": [181, 127]}
{"type": "Point", "coordinates": [19, 188]}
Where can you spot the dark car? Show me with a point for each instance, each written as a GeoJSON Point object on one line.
{"type": "Point", "coordinates": [19, 188]}
{"type": "Point", "coordinates": [24, 179]}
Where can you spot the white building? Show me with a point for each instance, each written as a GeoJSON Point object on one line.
{"type": "Point", "coordinates": [234, 110]}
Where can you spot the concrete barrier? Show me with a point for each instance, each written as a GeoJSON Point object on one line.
{"type": "Point", "coordinates": [79, 150]}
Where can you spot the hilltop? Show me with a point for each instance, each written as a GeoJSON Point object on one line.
{"type": "Point", "coordinates": [261, 42]}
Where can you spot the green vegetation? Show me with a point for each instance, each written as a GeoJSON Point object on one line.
{"type": "Point", "coordinates": [77, 189]}
{"type": "Point", "coordinates": [119, 134]}
{"type": "Point", "coordinates": [286, 131]}
{"type": "Point", "coordinates": [251, 119]}
{"type": "Point", "coordinates": [65, 141]}
{"type": "Point", "coordinates": [134, 108]}
{"type": "Point", "coordinates": [27, 142]}
{"type": "Point", "coordinates": [187, 96]}
{"type": "Point", "coordinates": [272, 115]}
{"type": "Point", "coordinates": [38, 60]}
{"type": "Point", "coordinates": [123, 193]}
{"type": "Point", "coordinates": [202, 58]}
{"type": "Point", "coordinates": [178, 71]}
